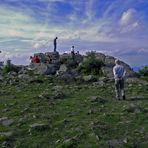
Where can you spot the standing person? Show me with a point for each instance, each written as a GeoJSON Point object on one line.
{"type": "Point", "coordinates": [119, 73]}
{"type": "Point", "coordinates": [73, 52]}
{"type": "Point", "coordinates": [55, 44]}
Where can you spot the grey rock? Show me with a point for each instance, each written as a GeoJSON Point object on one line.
{"type": "Point", "coordinates": [3, 118]}
{"type": "Point", "coordinates": [25, 77]}
{"type": "Point", "coordinates": [6, 134]}
{"type": "Point", "coordinates": [116, 143]}
{"type": "Point", "coordinates": [1, 78]}
{"type": "Point", "coordinates": [78, 58]}
{"type": "Point", "coordinates": [145, 110]}
{"type": "Point", "coordinates": [6, 122]}
{"type": "Point", "coordinates": [58, 95]}
{"type": "Point", "coordinates": [89, 78]}
{"type": "Point", "coordinates": [100, 56]}
{"type": "Point", "coordinates": [57, 88]}
{"type": "Point", "coordinates": [66, 77]}
{"type": "Point", "coordinates": [12, 73]}
{"type": "Point", "coordinates": [23, 119]}
{"type": "Point", "coordinates": [138, 98]}
{"type": "Point", "coordinates": [99, 83]}
{"type": "Point", "coordinates": [44, 95]}
{"type": "Point", "coordinates": [38, 127]}
{"type": "Point", "coordinates": [97, 99]}
{"type": "Point", "coordinates": [63, 68]}
{"type": "Point", "coordinates": [107, 71]}
{"type": "Point", "coordinates": [133, 108]}
{"type": "Point", "coordinates": [109, 61]}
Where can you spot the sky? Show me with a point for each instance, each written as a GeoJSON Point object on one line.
{"type": "Point", "coordinates": [114, 27]}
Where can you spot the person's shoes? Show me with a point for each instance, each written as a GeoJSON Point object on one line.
{"type": "Point", "coordinates": [123, 97]}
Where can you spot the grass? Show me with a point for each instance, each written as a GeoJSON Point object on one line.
{"type": "Point", "coordinates": [75, 120]}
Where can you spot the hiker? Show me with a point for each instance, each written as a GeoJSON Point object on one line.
{"type": "Point", "coordinates": [31, 58]}
{"type": "Point", "coordinates": [119, 73]}
{"type": "Point", "coordinates": [77, 53]}
{"type": "Point", "coordinates": [55, 44]}
{"type": "Point", "coordinates": [72, 53]}
{"type": "Point", "coordinates": [35, 59]}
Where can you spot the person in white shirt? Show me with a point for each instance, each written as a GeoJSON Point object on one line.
{"type": "Point", "coordinates": [119, 74]}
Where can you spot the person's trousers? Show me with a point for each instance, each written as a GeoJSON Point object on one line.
{"type": "Point", "coordinates": [119, 88]}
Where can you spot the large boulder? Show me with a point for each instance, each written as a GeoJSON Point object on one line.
{"type": "Point", "coordinates": [100, 56]}
{"type": "Point", "coordinates": [43, 69]}
{"type": "Point", "coordinates": [66, 77]}
{"type": "Point", "coordinates": [53, 56]}
{"type": "Point", "coordinates": [78, 58]}
{"type": "Point", "coordinates": [107, 71]}
{"type": "Point", "coordinates": [109, 61]}
{"type": "Point", "coordinates": [63, 68]}
{"type": "Point", "coordinates": [39, 68]}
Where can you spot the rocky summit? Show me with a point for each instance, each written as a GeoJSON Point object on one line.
{"type": "Point", "coordinates": [68, 101]}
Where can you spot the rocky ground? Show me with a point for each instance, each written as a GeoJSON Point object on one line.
{"type": "Point", "coordinates": [42, 111]}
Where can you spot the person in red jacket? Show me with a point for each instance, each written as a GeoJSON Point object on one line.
{"type": "Point", "coordinates": [35, 59]}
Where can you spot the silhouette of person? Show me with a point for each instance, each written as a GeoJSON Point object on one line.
{"type": "Point", "coordinates": [73, 52]}
{"type": "Point", "coordinates": [55, 44]}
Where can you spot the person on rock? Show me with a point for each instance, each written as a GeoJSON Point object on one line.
{"type": "Point", "coordinates": [55, 44]}
{"type": "Point", "coordinates": [35, 59]}
{"type": "Point", "coordinates": [119, 74]}
{"type": "Point", "coordinates": [73, 53]}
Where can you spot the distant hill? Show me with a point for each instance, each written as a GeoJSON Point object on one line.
{"type": "Point", "coordinates": [136, 69]}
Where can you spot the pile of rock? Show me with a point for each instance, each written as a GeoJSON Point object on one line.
{"type": "Point", "coordinates": [52, 63]}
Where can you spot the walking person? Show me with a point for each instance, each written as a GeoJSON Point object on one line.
{"type": "Point", "coordinates": [119, 74]}
{"type": "Point", "coordinates": [55, 44]}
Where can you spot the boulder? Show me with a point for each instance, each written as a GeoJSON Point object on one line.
{"type": "Point", "coordinates": [107, 71]}
{"type": "Point", "coordinates": [66, 77]}
{"type": "Point", "coordinates": [1, 78]}
{"type": "Point", "coordinates": [51, 69]}
{"type": "Point", "coordinates": [133, 108]}
{"type": "Point", "coordinates": [6, 122]}
{"type": "Point", "coordinates": [109, 61]}
{"type": "Point", "coordinates": [78, 58]}
{"type": "Point", "coordinates": [38, 127]}
{"type": "Point", "coordinates": [100, 56]}
{"type": "Point", "coordinates": [63, 68]}
{"type": "Point", "coordinates": [89, 78]}
{"type": "Point", "coordinates": [25, 77]}
{"type": "Point", "coordinates": [53, 57]}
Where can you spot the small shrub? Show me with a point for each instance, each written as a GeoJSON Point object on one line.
{"type": "Point", "coordinates": [91, 65]}
{"type": "Point", "coordinates": [144, 71]}
{"type": "Point", "coordinates": [9, 68]}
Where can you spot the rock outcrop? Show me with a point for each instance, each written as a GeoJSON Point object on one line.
{"type": "Point", "coordinates": [64, 65]}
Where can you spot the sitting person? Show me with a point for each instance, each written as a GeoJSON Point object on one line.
{"type": "Point", "coordinates": [35, 59]}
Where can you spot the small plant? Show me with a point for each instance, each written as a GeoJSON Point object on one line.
{"type": "Point", "coordinates": [144, 71]}
{"type": "Point", "coordinates": [91, 65]}
{"type": "Point", "coordinates": [9, 67]}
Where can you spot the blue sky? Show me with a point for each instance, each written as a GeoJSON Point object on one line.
{"type": "Point", "coordinates": [114, 27]}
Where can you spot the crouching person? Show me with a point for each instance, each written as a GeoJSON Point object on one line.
{"type": "Point", "coordinates": [119, 74]}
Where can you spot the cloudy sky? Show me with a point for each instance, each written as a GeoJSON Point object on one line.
{"type": "Point", "coordinates": [114, 27]}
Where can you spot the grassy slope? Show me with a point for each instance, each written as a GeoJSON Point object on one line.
{"type": "Point", "coordinates": [76, 120]}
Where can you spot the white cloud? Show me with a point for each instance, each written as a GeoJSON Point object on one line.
{"type": "Point", "coordinates": [129, 20]}
{"type": "Point", "coordinates": [128, 17]}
